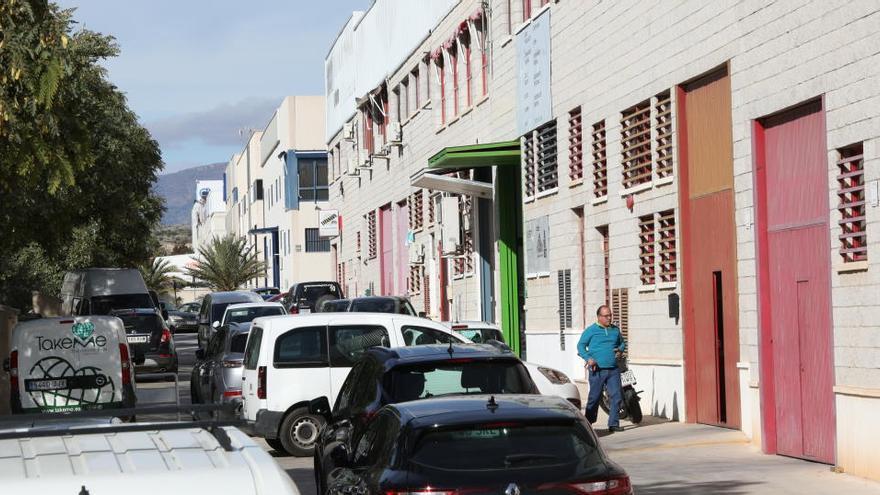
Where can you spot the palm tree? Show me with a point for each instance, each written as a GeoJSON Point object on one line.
{"type": "Point", "coordinates": [226, 264]}
{"type": "Point", "coordinates": [157, 274]}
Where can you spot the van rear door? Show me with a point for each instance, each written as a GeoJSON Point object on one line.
{"type": "Point", "coordinates": [69, 364]}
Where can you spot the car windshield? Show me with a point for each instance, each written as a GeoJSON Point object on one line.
{"type": "Point", "coordinates": [246, 315]}
{"type": "Point", "coordinates": [104, 305]}
{"type": "Point", "coordinates": [374, 306]}
{"type": "Point", "coordinates": [313, 292]}
{"type": "Point", "coordinates": [502, 447]}
{"type": "Point", "coordinates": [465, 376]}
{"type": "Point", "coordinates": [480, 335]}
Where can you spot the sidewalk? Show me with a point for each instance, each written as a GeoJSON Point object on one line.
{"type": "Point", "coordinates": [666, 458]}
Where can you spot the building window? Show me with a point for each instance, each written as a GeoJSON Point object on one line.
{"type": "Point", "coordinates": [575, 146]}
{"type": "Point", "coordinates": [647, 253]}
{"type": "Point", "coordinates": [480, 25]}
{"type": "Point", "coordinates": [464, 264]}
{"type": "Point", "coordinates": [453, 53]}
{"type": "Point", "coordinates": [313, 185]}
{"type": "Point", "coordinates": [398, 104]}
{"type": "Point", "coordinates": [315, 243]}
{"type": "Point", "coordinates": [527, 9]}
{"type": "Point", "coordinates": [606, 261]}
{"type": "Point", "coordinates": [441, 73]}
{"type": "Point", "coordinates": [851, 194]}
{"type": "Point", "coordinates": [369, 142]}
{"type": "Point", "coordinates": [539, 155]}
{"type": "Point", "coordinates": [635, 136]}
{"type": "Point", "coordinates": [414, 82]}
{"type": "Point", "coordinates": [620, 309]}
{"type": "Point", "coordinates": [563, 282]}
{"type": "Point", "coordinates": [414, 208]}
{"type": "Point", "coordinates": [468, 70]}
{"type": "Point", "coordinates": [404, 95]}
{"type": "Point", "coordinates": [415, 279]}
{"type": "Point", "coordinates": [600, 161]}
{"type": "Point", "coordinates": [663, 134]}
{"type": "Point", "coordinates": [668, 252]}
{"type": "Point", "coordinates": [371, 234]}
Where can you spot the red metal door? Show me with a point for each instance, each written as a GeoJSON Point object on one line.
{"type": "Point", "coordinates": [386, 248]}
{"type": "Point", "coordinates": [401, 268]}
{"type": "Point", "coordinates": [798, 296]}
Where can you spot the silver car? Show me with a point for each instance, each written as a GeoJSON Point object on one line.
{"type": "Point", "coordinates": [216, 375]}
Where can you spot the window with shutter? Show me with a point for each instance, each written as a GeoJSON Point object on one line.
{"type": "Point", "coordinates": [600, 161]}
{"type": "Point", "coordinates": [575, 146]}
{"type": "Point", "coordinates": [663, 134]}
{"type": "Point", "coordinates": [415, 279]}
{"type": "Point", "coordinates": [606, 261]}
{"type": "Point", "coordinates": [414, 208]}
{"type": "Point", "coordinates": [646, 249]}
{"type": "Point", "coordinates": [371, 234]}
{"type": "Point", "coordinates": [667, 249]}
{"type": "Point", "coordinates": [635, 124]}
{"type": "Point", "coordinates": [563, 282]}
{"type": "Point", "coordinates": [851, 206]}
{"type": "Point", "coordinates": [620, 308]}
{"type": "Point", "coordinates": [540, 160]}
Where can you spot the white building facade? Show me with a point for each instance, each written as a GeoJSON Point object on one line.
{"type": "Point", "coordinates": [709, 170]}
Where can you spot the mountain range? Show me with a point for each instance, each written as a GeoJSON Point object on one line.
{"type": "Point", "coordinates": [179, 190]}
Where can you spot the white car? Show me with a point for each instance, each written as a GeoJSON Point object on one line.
{"type": "Point", "coordinates": [247, 312]}
{"type": "Point", "coordinates": [291, 360]}
{"type": "Point", "coordinates": [55, 458]}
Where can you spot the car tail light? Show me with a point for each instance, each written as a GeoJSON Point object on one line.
{"type": "Point", "coordinates": [232, 392]}
{"type": "Point", "coordinates": [13, 371]}
{"type": "Point", "coordinates": [126, 364]}
{"type": "Point", "coordinates": [231, 363]}
{"type": "Point", "coordinates": [261, 382]}
{"type": "Point", "coordinates": [166, 336]}
{"type": "Point", "coordinates": [294, 310]}
{"type": "Point", "coordinates": [613, 486]}
{"type": "Point", "coordinates": [421, 491]}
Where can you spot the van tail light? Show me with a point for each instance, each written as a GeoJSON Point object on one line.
{"type": "Point", "coordinates": [261, 382]}
{"type": "Point", "coordinates": [232, 392]}
{"type": "Point", "coordinates": [613, 486]}
{"type": "Point", "coordinates": [231, 363]}
{"type": "Point", "coordinates": [126, 364]}
{"type": "Point", "coordinates": [13, 372]}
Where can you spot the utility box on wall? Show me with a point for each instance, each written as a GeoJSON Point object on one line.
{"type": "Point", "coordinates": [450, 225]}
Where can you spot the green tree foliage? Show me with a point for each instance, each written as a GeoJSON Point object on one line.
{"type": "Point", "coordinates": [157, 274]}
{"type": "Point", "coordinates": [77, 168]}
{"type": "Point", "coordinates": [227, 264]}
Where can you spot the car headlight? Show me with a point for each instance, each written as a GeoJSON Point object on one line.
{"type": "Point", "coordinates": [175, 318]}
{"type": "Point", "coordinates": [555, 377]}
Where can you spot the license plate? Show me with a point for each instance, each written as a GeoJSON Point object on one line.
{"type": "Point", "coordinates": [627, 378]}
{"type": "Point", "coordinates": [138, 339]}
{"type": "Point", "coordinates": [304, 311]}
{"type": "Point", "coordinates": [46, 384]}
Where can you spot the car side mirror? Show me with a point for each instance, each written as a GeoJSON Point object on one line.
{"type": "Point", "coordinates": [321, 407]}
{"type": "Point", "coordinates": [200, 354]}
{"type": "Point", "coordinates": [423, 314]}
{"type": "Point", "coordinates": [216, 324]}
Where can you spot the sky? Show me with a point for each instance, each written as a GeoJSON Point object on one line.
{"type": "Point", "coordinates": [201, 73]}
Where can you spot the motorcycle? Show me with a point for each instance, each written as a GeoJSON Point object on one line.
{"type": "Point", "coordinates": [629, 403]}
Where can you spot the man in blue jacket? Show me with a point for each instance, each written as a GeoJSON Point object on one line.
{"type": "Point", "coordinates": [599, 346]}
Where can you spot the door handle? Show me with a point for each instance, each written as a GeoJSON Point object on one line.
{"type": "Point", "coordinates": [243, 378]}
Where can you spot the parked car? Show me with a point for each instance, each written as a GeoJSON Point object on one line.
{"type": "Point", "coordinates": [245, 313]}
{"type": "Point", "coordinates": [382, 304]}
{"type": "Point", "coordinates": [388, 376]}
{"type": "Point", "coordinates": [546, 377]}
{"type": "Point", "coordinates": [190, 307]}
{"type": "Point", "coordinates": [335, 306]}
{"type": "Point", "coordinates": [306, 297]}
{"type": "Point", "coordinates": [317, 351]}
{"type": "Point", "coordinates": [150, 340]}
{"type": "Point", "coordinates": [216, 374]}
{"type": "Point", "coordinates": [473, 444]}
{"type": "Point", "coordinates": [92, 455]}
{"type": "Point", "coordinates": [214, 306]}
{"type": "Point", "coordinates": [98, 291]}
{"type": "Point", "coordinates": [279, 298]}
{"type": "Point", "coordinates": [267, 292]}
{"type": "Point", "coordinates": [70, 364]}
{"type": "Point", "coordinates": [180, 320]}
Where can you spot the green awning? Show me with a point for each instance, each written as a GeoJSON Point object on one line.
{"type": "Point", "coordinates": [476, 155]}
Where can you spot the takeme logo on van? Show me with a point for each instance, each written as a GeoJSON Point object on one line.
{"type": "Point", "coordinates": [85, 339]}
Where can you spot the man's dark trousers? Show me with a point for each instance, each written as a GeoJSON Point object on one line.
{"type": "Point", "coordinates": [610, 378]}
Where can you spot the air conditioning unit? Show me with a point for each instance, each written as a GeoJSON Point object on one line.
{"type": "Point", "coordinates": [348, 131]}
{"type": "Point", "coordinates": [450, 229]}
{"type": "Point", "coordinates": [395, 133]}
{"type": "Point", "coordinates": [416, 253]}
{"type": "Point", "coordinates": [351, 167]}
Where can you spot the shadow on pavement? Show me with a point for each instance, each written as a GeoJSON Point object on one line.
{"type": "Point", "coordinates": [304, 479]}
{"type": "Point", "coordinates": [686, 488]}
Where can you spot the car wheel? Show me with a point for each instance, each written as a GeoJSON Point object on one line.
{"type": "Point", "coordinates": [299, 432]}
{"type": "Point", "coordinates": [275, 443]}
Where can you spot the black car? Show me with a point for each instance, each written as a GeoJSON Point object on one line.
{"type": "Point", "coordinates": [267, 292]}
{"type": "Point", "coordinates": [386, 376]}
{"type": "Point", "coordinates": [149, 340]}
{"type": "Point", "coordinates": [179, 320]}
{"type": "Point", "coordinates": [308, 297]}
{"type": "Point", "coordinates": [382, 304]}
{"type": "Point", "coordinates": [213, 307]}
{"type": "Point", "coordinates": [477, 444]}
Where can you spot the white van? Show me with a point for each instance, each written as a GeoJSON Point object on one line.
{"type": "Point", "coordinates": [290, 360]}
{"type": "Point", "coordinates": [98, 291]}
{"type": "Point", "coordinates": [69, 364]}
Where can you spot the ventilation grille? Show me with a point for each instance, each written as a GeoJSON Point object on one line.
{"type": "Point", "coordinates": [851, 196]}
{"type": "Point", "coordinates": [575, 146]}
{"type": "Point", "coordinates": [635, 125]}
{"type": "Point", "coordinates": [663, 132]}
{"type": "Point", "coordinates": [600, 161]}
{"type": "Point", "coordinates": [646, 250]}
